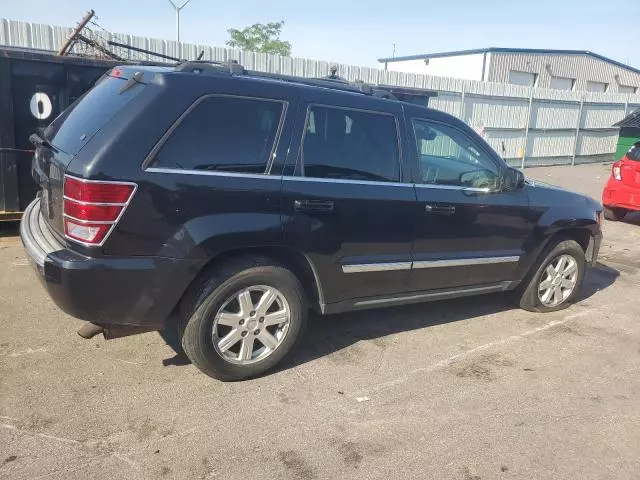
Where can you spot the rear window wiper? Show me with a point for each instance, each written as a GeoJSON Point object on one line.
{"type": "Point", "coordinates": [135, 79]}
{"type": "Point", "coordinates": [38, 141]}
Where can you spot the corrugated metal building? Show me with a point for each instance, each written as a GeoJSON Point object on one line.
{"type": "Point", "coordinates": [571, 70]}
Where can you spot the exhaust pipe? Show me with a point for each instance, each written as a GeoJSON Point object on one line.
{"type": "Point", "coordinates": [110, 332]}
{"type": "Point", "coordinates": [90, 330]}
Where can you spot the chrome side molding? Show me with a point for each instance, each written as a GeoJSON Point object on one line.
{"type": "Point", "coordinates": [454, 262]}
{"type": "Point", "coordinates": [460, 262]}
{"type": "Point", "coordinates": [376, 267]}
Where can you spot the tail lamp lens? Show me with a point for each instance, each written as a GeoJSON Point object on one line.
{"type": "Point", "coordinates": [97, 192]}
{"type": "Point", "coordinates": [85, 232]}
{"type": "Point", "coordinates": [91, 208]}
{"type": "Point", "coordinates": [617, 171]}
{"type": "Point", "coordinates": [101, 213]}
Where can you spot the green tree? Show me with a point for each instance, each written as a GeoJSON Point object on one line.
{"type": "Point", "coordinates": [260, 37]}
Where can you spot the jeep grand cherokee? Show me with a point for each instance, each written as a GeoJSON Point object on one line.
{"type": "Point", "coordinates": [231, 203]}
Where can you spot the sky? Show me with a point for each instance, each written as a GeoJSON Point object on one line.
{"type": "Point", "coordinates": [359, 32]}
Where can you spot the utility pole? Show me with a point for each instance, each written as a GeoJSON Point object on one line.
{"type": "Point", "coordinates": [74, 34]}
{"type": "Point", "coordinates": [177, 9]}
{"type": "Point", "coordinates": [394, 51]}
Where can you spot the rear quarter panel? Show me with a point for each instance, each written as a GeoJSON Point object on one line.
{"type": "Point", "coordinates": [186, 216]}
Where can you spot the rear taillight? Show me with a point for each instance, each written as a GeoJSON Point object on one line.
{"type": "Point", "coordinates": [617, 170]}
{"type": "Point", "coordinates": [92, 208]}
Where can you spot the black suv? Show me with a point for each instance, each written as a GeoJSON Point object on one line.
{"type": "Point", "coordinates": [231, 202]}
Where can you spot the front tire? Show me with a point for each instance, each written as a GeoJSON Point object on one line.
{"type": "Point", "coordinates": [614, 214]}
{"type": "Point", "coordinates": [557, 279]}
{"type": "Point", "coordinates": [241, 320]}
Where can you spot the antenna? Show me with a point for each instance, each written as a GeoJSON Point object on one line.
{"type": "Point", "coordinates": [177, 9]}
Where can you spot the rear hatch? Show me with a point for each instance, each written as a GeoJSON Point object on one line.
{"type": "Point", "coordinates": [67, 135]}
{"type": "Point", "coordinates": [630, 167]}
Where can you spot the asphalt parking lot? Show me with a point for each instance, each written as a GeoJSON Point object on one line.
{"type": "Point", "coordinates": [469, 389]}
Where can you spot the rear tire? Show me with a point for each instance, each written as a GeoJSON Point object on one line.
{"type": "Point", "coordinates": [243, 318]}
{"type": "Point", "coordinates": [555, 280]}
{"type": "Point", "coordinates": [614, 214]}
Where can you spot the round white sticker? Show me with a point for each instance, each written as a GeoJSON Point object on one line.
{"type": "Point", "coordinates": [40, 105]}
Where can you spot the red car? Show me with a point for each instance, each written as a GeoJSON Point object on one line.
{"type": "Point", "coordinates": [622, 192]}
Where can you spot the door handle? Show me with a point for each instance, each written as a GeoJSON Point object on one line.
{"type": "Point", "coordinates": [440, 209]}
{"type": "Point", "coordinates": [317, 206]}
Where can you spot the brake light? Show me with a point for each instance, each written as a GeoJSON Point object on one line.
{"type": "Point", "coordinates": [617, 170]}
{"type": "Point", "coordinates": [92, 208]}
{"type": "Point", "coordinates": [97, 192]}
{"type": "Point", "coordinates": [102, 213]}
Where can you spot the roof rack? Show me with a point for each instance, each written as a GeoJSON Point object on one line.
{"type": "Point", "coordinates": [332, 81]}
{"type": "Point", "coordinates": [200, 66]}
{"type": "Point", "coordinates": [327, 82]}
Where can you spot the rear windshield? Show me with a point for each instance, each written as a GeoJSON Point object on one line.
{"type": "Point", "coordinates": [78, 123]}
{"type": "Point", "coordinates": [634, 152]}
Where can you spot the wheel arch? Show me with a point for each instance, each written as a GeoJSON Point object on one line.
{"type": "Point", "coordinates": [584, 235]}
{"type": "Point", "coordinates": [581, 235]}
{"type": "Point", "coordinates": [294, 260]}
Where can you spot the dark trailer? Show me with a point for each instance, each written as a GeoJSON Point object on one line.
{"type": "Point", "coordinates": [35, 87]}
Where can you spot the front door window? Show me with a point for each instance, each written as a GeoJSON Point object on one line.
{"type": "Point", "coordinates": [448, 157]}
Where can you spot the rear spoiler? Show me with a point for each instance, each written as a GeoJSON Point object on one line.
{"type": "Point", "coordinates": [127, 73]}
{"type": "Point", "coordinates": [132, 76]}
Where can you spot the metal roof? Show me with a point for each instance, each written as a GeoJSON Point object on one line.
{"type": "Point", "coordinates": [631, 120]}
{"type": "Point", "coordinates": [543, 51]}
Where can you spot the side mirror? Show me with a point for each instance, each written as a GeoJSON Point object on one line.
{"type": "Point", "coordinates": [513, 180]}
{"type": "Point", "coordinates": [478, 179]}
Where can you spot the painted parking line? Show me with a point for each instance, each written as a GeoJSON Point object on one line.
{"type": "Point", "coordinates": [468, 353]}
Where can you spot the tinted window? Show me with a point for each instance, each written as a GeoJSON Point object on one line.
{"type": "Point", "coordinates": [350, 144]}
{"type": "Point", "coordinates": [449, 157]}
{"type": "Point", "coordinates": [223, 134]}
{"type": "Point", "coordinates": [634, 152]}
{"type": "Point", "coordinates": [75, 126]}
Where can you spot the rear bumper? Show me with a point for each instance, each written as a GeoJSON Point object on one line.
{"type": "Point", "coordinates": [617, 194]}
{"type": "Point", "coordinates": [136, 291]}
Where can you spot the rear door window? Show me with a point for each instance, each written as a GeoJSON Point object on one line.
{"type": "Point", "coordinates": [228, 134]}
{"type": "Point", "coordinates": [350, 144]}
{"type": "Point", "coordinates": [76, 125]}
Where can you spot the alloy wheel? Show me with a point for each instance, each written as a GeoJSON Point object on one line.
{"type": "Point", "coordinates": [558, 281]}
{"type": "Point", "coordinates": [251, 324]}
